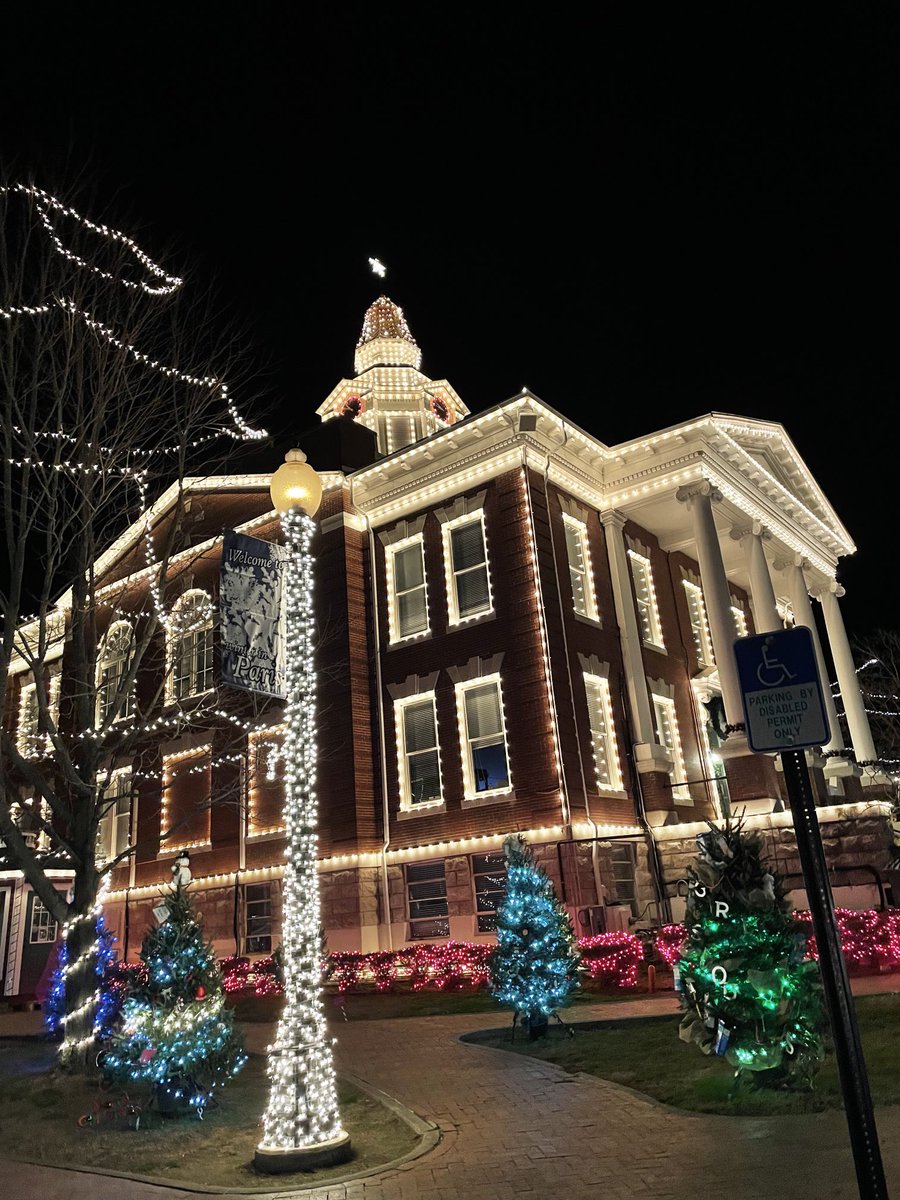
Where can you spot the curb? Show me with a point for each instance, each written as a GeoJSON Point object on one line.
{"type": "Point", "coordinates": [429, 1136]}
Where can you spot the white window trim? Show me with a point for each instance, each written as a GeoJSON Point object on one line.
{"type": "Point", "coordinates": [740, 620]}
{"type": "Point", "coordinates": [656, 637]}
{"type": "Point", "coordinates": [452, 601]}
{"type": "Point", "coordinates": [125, 709]}
{"type": "Point", "coordinates": [38, 908]}
{"type": "Point", "coordinates": [614, 766]}
{"type": "Point", "coordinates": [173, 639]}
{"type": "Point", "coordinates": [590, 594]}
{"type": "Point", "coordinates": [27, 737]}
{"type": "Point", "coordinates": [406, 801]}
{"type": "Point", "coordinates": [706, 654]}
{"type": "Point", "coordinates": [273, 738]}
{"type": "Point", "coordinates": [391, 552]}
{"type": "Point", "coordinates": [471, 797]}
{"type": "Point", "coordinates": [108, 820]}
{"type": "Point", "coordinates": [681, 793]}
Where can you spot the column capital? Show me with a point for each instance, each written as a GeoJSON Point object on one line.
{"type": "Point", "coordinates": [614, 517]}
{"type": "Point", "coordinates": [752, 529]}
{"type": "Point", "coordinates": [689, 492]}
{"type": "Point", "coordinates": [793, 560]}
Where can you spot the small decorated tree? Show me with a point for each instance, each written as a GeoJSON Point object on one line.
{"type": "Point", "coordinates": [748, 990]}
{"type": "Point", "coordinates": [534, 968]}
{"type": "Point", "coordinates": [175, 1032]}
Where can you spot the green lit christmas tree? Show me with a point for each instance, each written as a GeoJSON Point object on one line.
{"type": "Point", "coordinates": [175, 1032]}
{"type": "Point", "coordinates": [534, 968]}
{"type": "Point", "coordinates": [748, 991]}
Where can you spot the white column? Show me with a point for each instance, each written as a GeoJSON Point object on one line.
{"type": "Point", "coordinates": [699, 497]}
{"type": "Point", "coordinates": [854, 706]}
{"type": "Point", "coordinates": [765, 608]}
{"type": "Point", "coordinates": [803, 615]}
{"type": "Point", "coordinates": [648, 754]}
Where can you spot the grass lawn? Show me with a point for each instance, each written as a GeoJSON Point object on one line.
{"type": "Point", "coordinates": [39, 1110]}
{"type": "Point", "coordinates": [378, 1006]}
{"type": "Point", "coordinates": [645, 1053]}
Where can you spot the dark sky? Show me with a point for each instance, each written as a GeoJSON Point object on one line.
{"type": "Point", "coordinates": [638, 218]}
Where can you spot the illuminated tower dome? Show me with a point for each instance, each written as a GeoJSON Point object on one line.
{"type": "Point", "coordinates": [389, 393]}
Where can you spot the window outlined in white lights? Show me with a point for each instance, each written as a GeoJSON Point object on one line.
{"type": "Point", "coordinates": [418, 753]}
{"type": "Point", "coordinates": [581, 574]}
{"type": "Point", "coordinates": [407, 589]}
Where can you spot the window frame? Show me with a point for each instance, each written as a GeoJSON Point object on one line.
{"type": "Point", "coordinates": [112, 818]}
{"type": "Point", "coordinates": [454, 616]}
{"type": "Point", "coordinates": [28, 736]}
{"type": "Point", "coordinates": [175, 654]}
{"type": "Point", "coordinates": [650, 606]}
{"type": "Point", "coordinates": [407, 804]}
{"type": "Point", "coordinates": [471, 795]}
{"type": "Point", "coordinates": [39, 910]}
{"type": "Point", "coordinates": [412, 922]}
{"type": "Point", "coordinates": [699, 621]}
{"type": "Point", "coordinates": [606, 730]}
{"type": "Point", "coordinates": [680, 790]}
{"type": "Point", "coordinates": [395, 632]}
{"type": "Point", "coordinates": [479, 912]}
{"type": "Point", "coordinates": [580, 530]}
{"type": "Point", "coordinates": [247, 907]}
{"type": "Point", "coordinates": [102, 699]}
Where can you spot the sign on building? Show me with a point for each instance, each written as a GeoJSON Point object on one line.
{"type": "Point", "coordinates": [251, 614]}
{"type": "Point", "coordinates": [782, 692]}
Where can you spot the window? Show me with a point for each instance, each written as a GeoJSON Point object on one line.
{"type": "Point", "coordinates": [419, 759]}
{"type": "Point", "coordinates": [485, 763]}
{"type": "Point", "coordinates": [113, 662]}
{"type": "Point", "coordinates": [622, 857]}
{"type": "Point", "coordinates": [258, 918]}
{"type": "Point", "coordinates": [187, 782]}
{"type": "Point", "coordinates": [703, 647]}
{"type": "Point", "coordinates": [426, 897]}
{"type": "Point", "coordinates": [580, 572]}
{"type": "Point", "coordinates": [43, 926]}
{"type": "Point", "coordinates": [407, 602]}
{"type": "Point", "coordinates": [190, 647]}
{"type": "Point", "coordinates": [265, 790]}
{"type": "Point", "coordinates": [489, 877]}
{"type": "Point", "coordinates": [740, 620]}
{"type": "Point", "coordinates": [603, 733]}
{"type": "Point", "coordinates": [465, 555]}
{"type": "Point", "coordinates": [27, 738]}
{"type": "Point", "coordinates": [645, 595]}
{"type": "Point", "coordinates": [669, 737]}
{"type": "Point", "coordinates": [114, 829]}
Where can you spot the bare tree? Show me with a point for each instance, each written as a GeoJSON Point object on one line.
{"type": "Point", "coordinates": [107, 402]}
{"type": "Point", "coordinates": [878, 655]}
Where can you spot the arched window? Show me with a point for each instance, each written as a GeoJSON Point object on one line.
{"type": "Point", "coordinates": [190, 654]}
{"type": "Point", "coordinates": [113, 662]}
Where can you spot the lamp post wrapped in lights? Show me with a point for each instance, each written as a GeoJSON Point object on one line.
{"type": "Point", "coordinates": [302, 1123]}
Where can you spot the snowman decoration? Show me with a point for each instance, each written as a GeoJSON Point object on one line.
{"type": "Point", "coordinates": [181, 870]}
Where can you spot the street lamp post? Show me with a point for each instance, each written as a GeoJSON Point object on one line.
{"type": "Point", "coordinates": [302, 1123]}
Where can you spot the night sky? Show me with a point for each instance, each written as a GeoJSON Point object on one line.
{"type": "Point", "coordinates": [637, 219]}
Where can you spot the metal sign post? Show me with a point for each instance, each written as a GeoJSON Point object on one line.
{"type": "Point", "coordinates": [784, 713]}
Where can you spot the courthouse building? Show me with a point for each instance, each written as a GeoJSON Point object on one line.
{"type": "Point", "coordinates": [521, 629]}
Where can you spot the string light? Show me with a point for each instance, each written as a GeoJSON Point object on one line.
{"type": "Point", "coordinates": [302, 1113]}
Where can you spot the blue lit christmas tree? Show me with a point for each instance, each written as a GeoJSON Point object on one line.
{"type": "Point", "coordinates": [175, 1032]}
{"type": "Point", "coordinates": [748, 991]}
{"type": "Point", "coordinates": [109, 995]}
{"type": "Point", "coordinates": [534, 968]}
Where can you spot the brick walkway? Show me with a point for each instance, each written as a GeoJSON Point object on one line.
{"type": "Point", "coordinates": [518, 1128]}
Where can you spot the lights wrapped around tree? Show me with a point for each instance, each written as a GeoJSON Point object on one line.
{"type": "Point", "coordinates": [302, 1123]}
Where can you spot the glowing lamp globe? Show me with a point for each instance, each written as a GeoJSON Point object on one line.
{"type": "Point", "coordinates": [296, 485]}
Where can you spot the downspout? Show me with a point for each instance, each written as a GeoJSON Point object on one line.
{"type": "Point", "coordinates": [386, 816]}
{"type": "Point", "coordinates": [595, 854]}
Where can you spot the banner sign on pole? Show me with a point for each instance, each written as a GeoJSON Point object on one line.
{"type": "Point", "coordinates": [251, 614]}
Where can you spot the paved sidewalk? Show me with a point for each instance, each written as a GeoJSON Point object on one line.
{"type": "Point", "coordinates": [518, 1128]}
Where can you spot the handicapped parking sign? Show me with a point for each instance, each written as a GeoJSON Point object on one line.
{"type": "Point", "coordinates": [781, 691]}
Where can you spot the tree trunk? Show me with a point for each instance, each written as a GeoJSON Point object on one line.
{"type": "Point", "coordinates": [78, 1052]}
